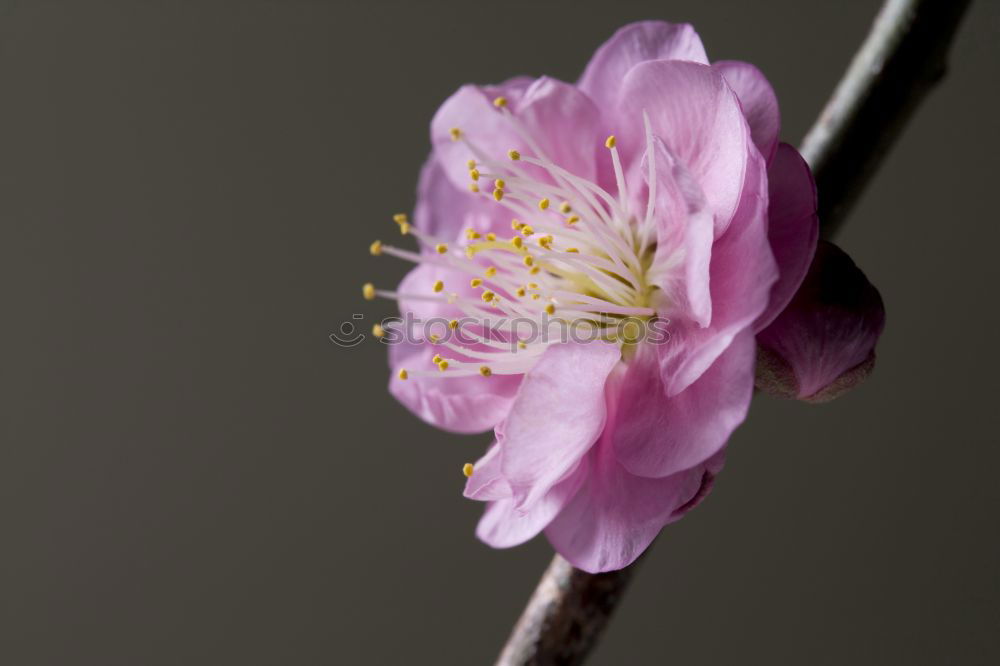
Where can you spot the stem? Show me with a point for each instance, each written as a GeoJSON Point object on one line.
{"type": "Point", "coordinates": [902, 58]}
{"type": "Point", "coordinates": [565, 616]}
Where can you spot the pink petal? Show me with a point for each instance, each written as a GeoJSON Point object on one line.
{"type": "Point", "coordinates": [444, 210]}
{"type": "Point", "coordinates": [487, 482]}
{"type": "Point", "coordinates": [697, 115]}
{"type": "Point", "coordinates": [557, 415]}
{"type": "Point", "coordinates": [614, 515]}
{"type": "Point", "coordinates": [633, 44]}
{"type": "Point", "coordinates": [760, 104]}
{"type": "Point", "coordinates": [420, 281]}
{"type": "Point", "coordinates": [504, 525]}
{"type": "Point", "coordinates": [793, 226]}
{"type": "Point", "coordinates": [656, 436]}
{"type": "Point", "coordinates": [684, 228]}
{"type": "Point", "coordinates": [456, 404]}
{"type": "Point", "coordinates": [824, 342]}
{"type": "Point", "coordinates": [742, 272]}
{"type": "Point", "coordinates": [561, 119]}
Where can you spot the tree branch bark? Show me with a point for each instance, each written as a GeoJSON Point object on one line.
{"type": "Point", "coordinates": [901, 60]}
{"type": "Point", "coordinates": [565, 616]}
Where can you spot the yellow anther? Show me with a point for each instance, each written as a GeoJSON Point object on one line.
{"type": "Point", "coordinates": [434, 338]}
{"type": "Point", "coordinates": [498, 194]}
{"type": "Point", "coordinates": [500, 102]}
{"type": "Point", "coordinates": [534, 270]}
{"type": "Point", "coordinates": [526, 230]}
{"type": "Point", "coordinates": [402, 374]}
{"type": "Point", "coordinates": [474, 174]}
{"type": "Point", "coordinates": [499, 183]}
{"type": "Point", "coordinates": [368, 291]}
{"type": "Point", "coordinates": [517, 242]}
{"type": "Point", "coordinates": [491, 236]}
{"type": "Point", "coordinates": [564, 207]}
{"type": "Point", "coordinates": [404, 228]}
{"type": "Point", "coordinates": [572, 249]}
{"type": "Point", "coordinates": [441, 248]}
{"type": "Point", "coordinates": [535, 297]}
{"type": "Point", "coordinates": [442, 366]}
{"type": "Point", "coordinates": [467, 469]}
{"type": "Point", "coordinates": [516, 225]}
{"type": "Point", "coordinates": [473, 187]}
{"type": "Point", "coordinates": [610, 142]}
{"type": "Point", "coordinates": [485, 371]}
{"type": "Point", "coordinates": [532, 285]}
{"type": "Point", "coordinates": [488, 296]}
{"type": "Point", "coordinates": [375, 248]}
{"type": "Point", "coordinates": [490, 271]}
{"type": "Point", "coordinates": [572, 219]}
{"type": "Point", "coordinates": [543, 204]}
{"type": "Point", "coordinates": [453, 324]}
{"type": "Point", "coordinates": [436, 359]}
{"type": "Point", "coordinates": [521, 291]}
{"type": "Point", "coordinates": [529, 260]}
{"type": "Point", "coordinates": [471, 164]}
{"type": "Point", "coordinates": [475, 282]}
{"type": "Point", "coordinates": [472, 234]}
{"type": "Point", "coordinates": [455, 133]}
{"type": "Point", "coordinates": [378, 331]}
{"type": "Point", "coordinates": [514, 155]}
{"type": "Point", "coordinates": [521, 345]}
{"type": "Point", "coordinates": [545, 241]}
{"type": "Point", "coordinates": [400, 218]}
{"type": "Point", "coordinates": [551, 309]}
{"type": "Point", "coordinates": [438, 286]}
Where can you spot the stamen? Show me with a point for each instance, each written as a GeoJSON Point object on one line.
{"type": "Point", "coordinates": [594, 273]}
{"type": "Point", "coordinates": [467, 469]}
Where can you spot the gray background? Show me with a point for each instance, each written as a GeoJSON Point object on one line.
{"type": "Point", "coordinates": [193, 474]}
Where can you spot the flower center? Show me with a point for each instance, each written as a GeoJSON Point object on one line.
{"type": "Point", "coordinates": [578, 264]}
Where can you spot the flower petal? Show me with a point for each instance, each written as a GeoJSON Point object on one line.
{"type": "Point", "coordinates": [793, 226]}
{"type": "Point", "coordinates": [504, 525]}
{"type": "Point", "coordinates": [633, 44]}
{"type": "Point", "coordinates": [561, 121]}
{"type": "Point", "coordinates": [656, 436]}
{"type": "Point", "coordinates": [684, 233]}
{"type": "Point", "coordinates": [824, 342]}
{"type": "Point", "coordinates": [444, 210]}
{"type": "Point", "coordinates": [614, 515]}
{"type": "Point", "coordinates": [557, 415]}
{"type": "Point", "coordinates": [697, 115]}
{"type": "Point", "coordinates": [760, 104]}
{"type": "Point", "coordinates": [742, 272]}
{"type": "Point", "coordinates": [456, 404]}
{"type": "Point", "coordinates": [486, 482]}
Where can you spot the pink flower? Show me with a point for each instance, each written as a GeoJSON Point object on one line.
{"type": "Point", "coordinates": [690, 214]}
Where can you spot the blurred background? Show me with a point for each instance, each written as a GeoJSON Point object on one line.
{"type": "Point", "coordinates": [191, 473]}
